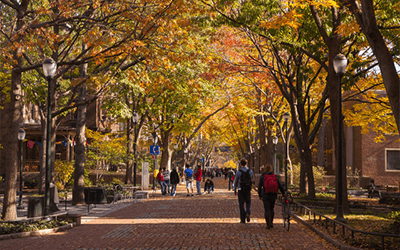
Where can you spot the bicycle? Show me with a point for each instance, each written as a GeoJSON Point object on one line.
{"type": "Point", "coordinates": [286, 211]}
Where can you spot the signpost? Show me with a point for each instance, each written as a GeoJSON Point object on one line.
{"type": "Point", "coordinates": [154, 151]}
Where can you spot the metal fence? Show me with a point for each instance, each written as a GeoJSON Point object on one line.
{"type": "Point", "coordinates": [335, 227]}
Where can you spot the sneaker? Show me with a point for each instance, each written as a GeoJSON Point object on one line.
{"type": "Point", "coordinates": [192, 194]}
{"type": "Point", "coordinates": [188, 195]}
{"type": "Point", "coordinates": [248, 217]}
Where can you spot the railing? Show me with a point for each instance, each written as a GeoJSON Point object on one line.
{"type": "Point", "coordinates": [336, 225]}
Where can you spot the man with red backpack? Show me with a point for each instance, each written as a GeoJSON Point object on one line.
{"type": "Point", "coordinates": [267, 191]}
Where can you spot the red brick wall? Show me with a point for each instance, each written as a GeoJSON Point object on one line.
{"type": "Point", "coordinates": [373, 159]}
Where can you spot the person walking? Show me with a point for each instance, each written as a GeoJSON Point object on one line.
{"type": "Point", "coordinates": [198, 175]}
{"type": "Point", "coordinates": [174, 179]}
{"type": "Point", "coordinates": [230, 179]}
{"type": "Point", "coordinates": [268, 186]}
{"type": "Point", "coordinates": [160, 178]}
{"type": "Point", "coordinates": [189, 179]}
{"type": "Point", "coordinates": [209, 186]}
{"type": "Point", "coordinates": [242, 188]}
{"type": "Point", "coordinates": [167, 178]}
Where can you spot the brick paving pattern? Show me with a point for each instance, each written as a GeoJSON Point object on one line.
{"type": "Point", "coordinates": [208, 221]}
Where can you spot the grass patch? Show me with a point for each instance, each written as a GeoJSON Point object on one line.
{"type": "Point", "coordinates": [18, 227]}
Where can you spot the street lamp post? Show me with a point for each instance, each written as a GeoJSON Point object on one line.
{"type": "Point", "coordinates": [259, 156]}
{"type": "Point", "coordinates": [286, 118]}
{"type": "Point", "coordinates": [135, 119]}
{"type": "Point", "coordinates": [49, 70]}
{"type": "Point", "coordinates": [339, 65]}
{"type": "Point", "coordinates": [275, 141]}
{"type": "Point", "coordinates": [21, 137]}
{"type": "Point", "coordinates": [155, 139]}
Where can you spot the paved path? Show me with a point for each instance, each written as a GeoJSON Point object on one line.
{"type": "Point", "coordinates": [209, 221]}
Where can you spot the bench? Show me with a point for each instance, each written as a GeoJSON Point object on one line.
{"type": "Point", "coordinates": [122, 193]}
{"type": "Point", "coordinates": [141, 195]}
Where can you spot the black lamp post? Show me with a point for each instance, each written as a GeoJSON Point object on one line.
{"type": "Point", "coordinates": [275, 141]}
{"type": "Point", "coordinates": [339, 65]}
{"type": "Point", "coordinates": [49, 70]}
{"type": "Point", "coordinates": [21, 137]}
{"type": "Point", "coordinates": [155, 139]}
{"type": "Point", "coordinates": [286, 118]}
{"type": "Point", "coordinates": [135, 119]}
{"type": "Point", "coordinates": [259, 156]}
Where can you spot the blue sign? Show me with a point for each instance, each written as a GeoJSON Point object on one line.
{"type": "Point", "coordinates": [154, 149]}
{"type": "Point", "coordinates": [202, 159]}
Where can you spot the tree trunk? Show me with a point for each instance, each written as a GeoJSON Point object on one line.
{"type": "Point", "coordinates": [129, 151]}
{"type": "Point", "coordinates": [365, 15]}
{"type": "Point", "coordinates": [321, 144]}
{"type": "Point", "coordinates": [14, 111]}
{"type": "Point", "coordinates": [80, 140]}
{"type": "Point", "coordinates": [165, 152]}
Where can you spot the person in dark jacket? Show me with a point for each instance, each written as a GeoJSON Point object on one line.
{"type": "Point", "coordinates": [174, 180]}
{"type": "Point", "coordinates": [209, 186]}
{"type": "Point", "coordinates": [269, 198]}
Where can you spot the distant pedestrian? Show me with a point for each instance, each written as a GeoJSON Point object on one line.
{"type": "Point", "coordinates": [372, 189]}
{"type": "Point", "coordinates": [189, 179]}
{"type": "Point", "coordinates": [242, 188]}
{"type": "Point", "coordinates": [209, 186]}
{"type": "Point", "coordinates": [174, 179]}
{"type": "Point", "coordinates": [268, 186]}
{"type": "Point", "coordinates": [167, 178]}
{"type": "Point", "coordinates": [230, 174]}
{"type": "Point", "coordinates": [160, 179]}
{"type": "Point", "coordinates": [198, 175]}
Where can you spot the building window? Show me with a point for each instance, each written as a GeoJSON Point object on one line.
{"type": "Point", "coordinates": [393, 159]}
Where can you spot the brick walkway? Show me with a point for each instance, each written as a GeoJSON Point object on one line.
{"type": "Point", "coordinates": [209, 221]}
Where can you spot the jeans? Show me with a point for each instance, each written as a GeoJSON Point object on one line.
{"type": "Point", "coordinates": [230, 184]}
{"type": "Point", "coordinates": [269, 203]}
{"type": "Point", "coordinates": [198, 186]}
{"type": "Point", "coordinates": [163, 187]}
{"type": "Point", "coordinates": [209, 189]}
{"type": "Point", "coordinates": [173, 189]}
{"type": "Point", "coordinates": [167, 182]}
{"type": "Point", "coordinates": [244, 197]}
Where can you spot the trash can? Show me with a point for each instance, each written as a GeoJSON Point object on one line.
{"type": "Point", "coordinates": [35, 207]}
{"type": "Point", "coordinates": [95, 195]}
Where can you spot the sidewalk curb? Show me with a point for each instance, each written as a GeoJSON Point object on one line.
{"type": "Point", "coordinates": [38, 232]}
{"type": "Point", "coordinates": [323, 235]}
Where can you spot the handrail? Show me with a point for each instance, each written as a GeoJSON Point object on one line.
{"type": "Point", "coordinates": [328, 221]}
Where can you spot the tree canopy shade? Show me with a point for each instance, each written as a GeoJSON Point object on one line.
{"type": "Point", "coordinates": [91, 41]}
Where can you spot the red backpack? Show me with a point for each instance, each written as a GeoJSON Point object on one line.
{"type": "Point", "coordinates": [270, 183]}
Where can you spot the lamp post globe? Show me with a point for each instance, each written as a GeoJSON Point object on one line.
{"type": "Point", "coordinates": [275, 141]}
{"type": "Point", "coordinates": [49, 70]}
{"type": "Point", "coordinates": [339, 65]}
{"type": "Point", "coordinates": [21, 134]}
{"type": "Point", "coordinates": [21, 137]}
{"type": "Point", "coordinates": [49, 67]}
{"type": "Point", "coordinates": [286, 116]}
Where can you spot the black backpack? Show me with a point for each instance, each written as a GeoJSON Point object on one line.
{"type": "Point", "coordinates": [245, 180]}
